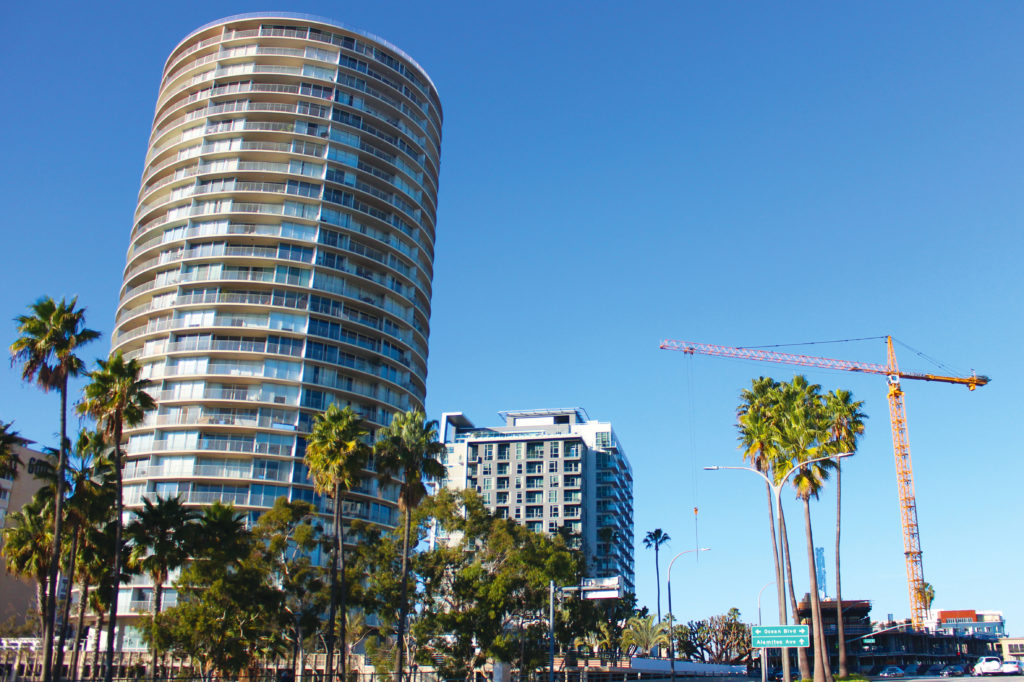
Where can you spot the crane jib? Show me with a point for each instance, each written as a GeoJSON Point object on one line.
{"type": "Point", "coordinates": [901, 445]}
{"type": "Point", "coordinates": [811, 361]}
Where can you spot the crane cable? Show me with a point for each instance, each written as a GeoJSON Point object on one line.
{"type": "Point", "coordinates": [934, 361]}
{"type": "Point", "coordinates": [693, 451]}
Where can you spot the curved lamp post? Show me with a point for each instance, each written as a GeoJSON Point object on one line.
{"type": "Point", "coordinates": [671, 635]}
{"type": "Point", "coordinates": [776, 489]}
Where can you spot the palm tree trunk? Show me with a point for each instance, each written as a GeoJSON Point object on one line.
{"type": "Point", "coordinates": [819, 645]}
{"type": "Point", "coordinates": [657, 579]}
{"type": "Point", "coordinates": [50, 615]}
{"type": "Point", "coordinates": [342, 596]}
{"type": "Point", "coordinates": [780, 583]}
{"type": "Point", "coordinates": [158, 600]}
{"type": "Point", "coordinates": [70, 572]}
{"type": "Point", "coordinates": [801, 653]}
{"type": "Point", "coordinates": [403, 605]}
{"type": "Point", "coordinates": [840, 627]}
{"type": "Point", "coordinates": [657, 583]}
{"type": "Point", "coordinates": [826, 662]}
{"type": "Point", "coordinates": [115, 577]}
{"type": "Point", "coordinates": [82, 600]}
{"type": "Point", "coordinates": [42, 594]}
{"type": "Point", "coordinates": [99, 636]}
{"type": "Point", "coordinates": [332, 610]}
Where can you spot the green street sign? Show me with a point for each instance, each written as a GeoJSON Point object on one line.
{"type": "Point", "coordinates": [869, 640]}
{"type": "Point", "coordinates": [776, 636]}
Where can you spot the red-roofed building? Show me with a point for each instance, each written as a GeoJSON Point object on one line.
{"type": "Point", "coordinates": [970, 622]}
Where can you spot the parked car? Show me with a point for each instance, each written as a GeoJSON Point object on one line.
{"type": "Point", "coordinates": [1013, 667]}
{"type": "Point", "coordinates": [952, 671]}
{"type": "Point", "coordinates": [891, 671]}
{"type": "Point", "coordinates": [988, 665]}
{"type": "Point", "coordinates": [936, 669]}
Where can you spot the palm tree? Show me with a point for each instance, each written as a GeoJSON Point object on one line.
{"type": "Point", "coordinates": [596, 641]}
{"type": "Point", "coordinates": [643, 634]}
{"type": "Point", "coordinates": [798, 433]}
{"type": "Point", "coordinates": [115, 398]}
{"type": "Point", "coordinates": [27, 547]}
{"type": "Point", "coordinates": [757, 417]}
{"type": "Point", "coordinates": [802, 434]}
{"type": "Point", "coordinates": [162, 536]}
{"type": "Point", "coordinates": [9, 459]}
{"type": "Point", "coordinates": [95, 557]}
{"type": "Point", "coordinates": [221, 536]}
{"type": "Point", "coordinates": [654, 540]}
{"type": "Point", "coordinates": [336, 454]}
{"type": "Point", "coordinates": [926, 593]}
{"type": "Point", "coordinates": [408, 452]}
{"type": "Point", "coordinates": [845, 423]}
{"type": "Point", "coordinates": [48, 339]}
{"type": "Point", "coordinates": [88, 504]}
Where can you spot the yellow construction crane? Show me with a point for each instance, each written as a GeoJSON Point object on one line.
{"type": "Point", "coordinates": [900, 441]}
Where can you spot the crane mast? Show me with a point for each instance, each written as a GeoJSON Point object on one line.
{"type": "Point", "coordinates": [908, 496]}
{"type": "Point", "coordinates": [900, 438]}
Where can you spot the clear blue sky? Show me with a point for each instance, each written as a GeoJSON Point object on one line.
{"type": "Point", "coordinates": [617, 173]}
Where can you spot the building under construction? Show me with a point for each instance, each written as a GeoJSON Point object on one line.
{"type": "Point", "coordinates": [871, 646]}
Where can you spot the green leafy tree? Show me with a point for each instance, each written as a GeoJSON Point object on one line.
{"type": "Point", "coordinates": [224, 619]}
{"type": "Point", "coordinates": [162, 537]}
{"type": "Point", "coordinates": [484, 588]}
{"type": "Point", "coordinates": [115, 397]}
{"type": "Point", "coordinates": [845, 423]}
{"type": "Point", "coordinates": [693, 641]}
{"type": "Point", "coordinates": [286, 538]}
{"type": "Point", "coordinates": [336, 454]}
{"type": "Point", "coordinates": [48, 339]}
{"type": "Point", "coordinates": [228, 610]}
{"type": "Point", "coordinates": [407, 454]}
{"type": "Point", "coordinates": [720, 639]}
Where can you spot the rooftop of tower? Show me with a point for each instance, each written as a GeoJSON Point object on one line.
{"type": "Point", "coordinates": [317, 19]}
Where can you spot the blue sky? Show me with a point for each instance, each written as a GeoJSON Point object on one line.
{"type": "Point", "coordinates": [618, 173]}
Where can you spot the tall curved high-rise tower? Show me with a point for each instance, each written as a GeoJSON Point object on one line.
{"type": "Point", "coordinates": [281, 257]}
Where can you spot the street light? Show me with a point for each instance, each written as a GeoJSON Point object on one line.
{"type": "Point", "coordinates": [671, 635]}
{"type": "Point", "coordinates": [776, 489]}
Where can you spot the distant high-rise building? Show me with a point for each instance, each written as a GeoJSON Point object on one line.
{"type": "Point", "coordinates": [280, 261]}
{"type": "Point", "coordinates": [549, 469]}
{"type": "Point", "coordinates": [18, 594]}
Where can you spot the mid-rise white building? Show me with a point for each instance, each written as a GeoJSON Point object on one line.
{"type": "Point", "coordinates": [970, 622]}
{"type": "Point", "coordinates": [549, 469]}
